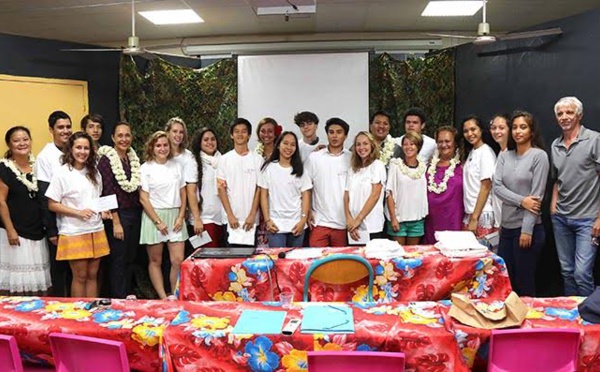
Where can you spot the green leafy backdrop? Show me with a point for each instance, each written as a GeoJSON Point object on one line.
{"type": "Point", "coordinates": [209, 97]}
{"type": "Point", "coordinates": [202, 98]}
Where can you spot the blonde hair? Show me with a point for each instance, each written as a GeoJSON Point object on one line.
{"type": "Point", "coordinates": [169, 125]}
{"type": "Point", "coordinates": [415, 138]}
{"type": "Point", "coordinates": [356, 162]}
{"type": "Point", "coordinates": [149, 148]}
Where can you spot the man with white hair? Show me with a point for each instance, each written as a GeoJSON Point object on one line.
{"type": "Point", "coordinates": [575, 197]}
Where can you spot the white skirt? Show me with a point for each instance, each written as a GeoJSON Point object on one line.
{"type": "Point", "coordinates": [24, 268]}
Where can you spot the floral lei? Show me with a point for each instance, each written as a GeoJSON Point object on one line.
{"type": "Point", "coordinates": [32, 185]}
{"type": "Point", "coordinates": [448, 173]}
{"type": "Point", "coordinates": [259, 149]}
{"type": "Point", "coordinates": [387, 150]}
{"type": "Point", "coordinates": [117, 168]}
{"type": "Point", "coordinates": [414, 173]}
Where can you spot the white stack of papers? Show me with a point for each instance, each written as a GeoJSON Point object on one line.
{"type": "Point", "coordinates": [383, 249]}
{"type": "Point", "coordinates": [303, 253]}
{"type": "Point", "coordinates": [459, 244]}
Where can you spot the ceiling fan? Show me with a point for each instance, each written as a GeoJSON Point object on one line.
{"type": "Point", "coordinates": [133, 47]}
{"type": "Point", "coordinates": [484, 37]}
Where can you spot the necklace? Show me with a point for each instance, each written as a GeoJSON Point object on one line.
{"type": "Point", "coordinates": [448, 173]}
{"type": "Point", "coordinates": [117, 168]}
{"type": "Point", "coordinates": [387, 150]}
{"type": "Point", "coordinates": [413, 173]}
{"type": "Point", "coordinates": [32, 186]}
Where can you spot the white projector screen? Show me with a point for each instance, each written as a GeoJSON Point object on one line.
{"type": "Point", "coordinates": [330, 85]}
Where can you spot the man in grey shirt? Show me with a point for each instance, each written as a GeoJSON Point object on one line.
{"type": "Point", "coordinates": [575, 197]}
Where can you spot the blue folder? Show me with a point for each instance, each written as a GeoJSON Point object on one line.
{"type": "Point", "coordinates": [259, 322]}
{"type": "Point", "coordinates": [334, 318]}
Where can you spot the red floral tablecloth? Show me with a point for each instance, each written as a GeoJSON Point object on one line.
{"type": "Point", "coordinates": [560, 312]}
{"type": "Point", "coordinates": [422, 275]}
{"type": "Point", "coordinates": [139, 324]}
{"type": "Point", "coordinates": [200, 338]}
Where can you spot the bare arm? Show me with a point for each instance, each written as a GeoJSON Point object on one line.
{"type": "Point", "coordinates": [249, 223]}
{"type": "Point", "coordinates": [13, 236]}
{"type": "Point", "coordinates": [151, 213]}
{"type": "Point", "coordinates": [554, 198]}
{"type": "Point", "coordinates": [484, 193]}
{"type": "Point", "coordinates": [181, 216]}
{"type": "Point", "coordinates": [231, 218]}
{"type": "Point", "coordinates": [192, 191]}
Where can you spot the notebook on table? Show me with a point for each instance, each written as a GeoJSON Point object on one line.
{"type": "Point", "coordinates": [224, 252]}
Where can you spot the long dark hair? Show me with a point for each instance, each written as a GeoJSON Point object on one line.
{"type": "Point", "coordinates": [486, 136]}
{"type": "Point", "coordinates": [296, 160]}
{"type": "Point", "coordinates": [90, 163]}
{"type": "Point", "coordinates": [196, 149]}
{"type": "Point", "coordinates": [9, 134]}
{"type": "Point", "coordinates": [536, 135]}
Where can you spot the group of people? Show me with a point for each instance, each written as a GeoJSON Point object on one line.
{"type": "Point", "coordinates": [292, 191]}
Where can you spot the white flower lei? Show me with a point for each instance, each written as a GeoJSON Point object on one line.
{"type": "Point", "coordinates": [448, 173]}
{"type": "Point", "coordinates": [259, 149]}
{"type": "Point", "coordinates": [117, 168]}
{"type": "Point", "coordinates": [32, 185]}
{"type": "Point", "coordinates": [387, 150]}
{"type": "Point", "coordinates": [414, 173]}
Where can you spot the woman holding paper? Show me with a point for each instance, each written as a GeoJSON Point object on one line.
{"type": "Point", "coordinates": [285, 193]}
{"type": "Point", "coordinates": [163, 198]}
{"type": "Point", "coordinates": [407, 193]}
{"type": "Point", "coordinates": [205, 206]}
{"type": "Point", "coordinates": [520, 182]}
{"type": "Point", "coordinates": [363, 195]}
{"type": "Point", "coordinates": [120, 170]}
{"type": "Point", "coordinates": [74, 188]}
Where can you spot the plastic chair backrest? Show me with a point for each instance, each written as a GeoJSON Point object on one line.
{"type": "Point", "coordinates": [355, 361]}
{"type": "Point", "coordinates": [10, 359]}
{"type": "Point", "coordinates": [80, 353]}
{"type": "Point", "coordinates": [535, 349]}
{"type": "Point", "coordinates": [340, 269]}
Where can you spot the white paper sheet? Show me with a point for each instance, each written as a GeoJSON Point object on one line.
{"type": "Point", "coordinates": [105, 203]}
{"type": "Point", "coordinates": [200, 240]}
{"type": "Point", "coordinates": [363, 237]}
{"type": "Point", "coordinates": [241, 236]}
{"type": "Point", "coordinates": [171, 236]}
{"type": "Point", "coordinates": [302, 253]}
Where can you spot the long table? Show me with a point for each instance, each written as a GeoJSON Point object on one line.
{"type": "Point", "coordinates": [422, 275]}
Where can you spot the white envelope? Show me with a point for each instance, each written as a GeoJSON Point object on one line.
{"type": "Point", "coordinates": [200, 240]}
{"type": "Point", "coordinates": [105, 203]}
{"type": "Point", "coordinates": [241, 236]}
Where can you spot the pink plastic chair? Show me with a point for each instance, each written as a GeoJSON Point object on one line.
{"type": "Point", "coordinates": [355, 361]}
{"type": "Point", "coordinates": [74, 353]}
{"type": "Point", "coordinates": [10, 359]}
{"type": "Point", "coordinates": [536, 349]}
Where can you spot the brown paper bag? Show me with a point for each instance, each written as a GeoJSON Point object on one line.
{"type": "Point", "coordinates": [488, 315]}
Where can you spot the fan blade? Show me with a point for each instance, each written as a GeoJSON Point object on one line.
{"type": "Point", "coordinates": [454, 36]}
{"type": "Point", "coordinates": [531, 34]}
{"type": "Point", "coordinates": [92, 50]}
{"type": "Point", "coordinates": [171, 55]}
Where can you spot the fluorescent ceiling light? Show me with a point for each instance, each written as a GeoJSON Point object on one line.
{"type": "Point", "coordinates": [172, 17]}
{"type": "Point", "coordinates": [451, 8]}
{"type": "Point", "coordinates": [271, 10]}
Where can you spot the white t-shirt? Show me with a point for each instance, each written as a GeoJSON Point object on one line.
{"type": "Point", "coordinates": [211, 204]}
{"type": "Point", "coordinates": [285, 195]}
{"type": "Point", "coordinates": [188, 165]}
{"type": "Point", "coordinates": [47, 162]}
{"type": "Point", "coordinates": [479, 166]}
{"type": "Point", "coordinates": [306, 149]}
{"type": "Point", "coordinates": [427, 149]}
{"type": "Point", "coordinates": [410, 195]}
{"type": "Point", "coordinates": [328, 173]}
{"type": "Point", "coordinates": [359, 186]}
{"type": "Point", "coordinates": [240, 174]}
{"type": "Point", "coordinates": [163, 183]}
{"type": "Point", "coordinates": [73, 189]}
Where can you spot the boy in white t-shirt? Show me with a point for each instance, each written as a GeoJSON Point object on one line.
{"type": "Point", "coordinates": [308, 123]}
{"type": "Point", "coordinates": [237, 177]}
{"type": "Point", "coordinates": [328, 169]}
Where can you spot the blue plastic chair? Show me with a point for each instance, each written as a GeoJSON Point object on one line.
{"type": "Point", "coordinates": [340, 269]}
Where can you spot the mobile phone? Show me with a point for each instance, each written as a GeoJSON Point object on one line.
{"type": "Point", "coordinates": [291, 327]}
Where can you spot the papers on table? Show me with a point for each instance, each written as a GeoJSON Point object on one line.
{"type": "Point", "coordinates": [459, 244]}
{"type": "Point", "coordinates": [259, 322]}
{"type": "Point", "coordinates": [241, 236]}
{"type": "Point", "coordinates": [363, 237]}
{"type": "Point", "coordinates": [331, 318]}
{"type": "Point", "coordinates": [105, 203]}
{"type": "Point", "coordinates": [302, 253]}
{"type": "Point", "coordinates": [383, 249]}
{"type": "Point", "coordinates": [200, 240]}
